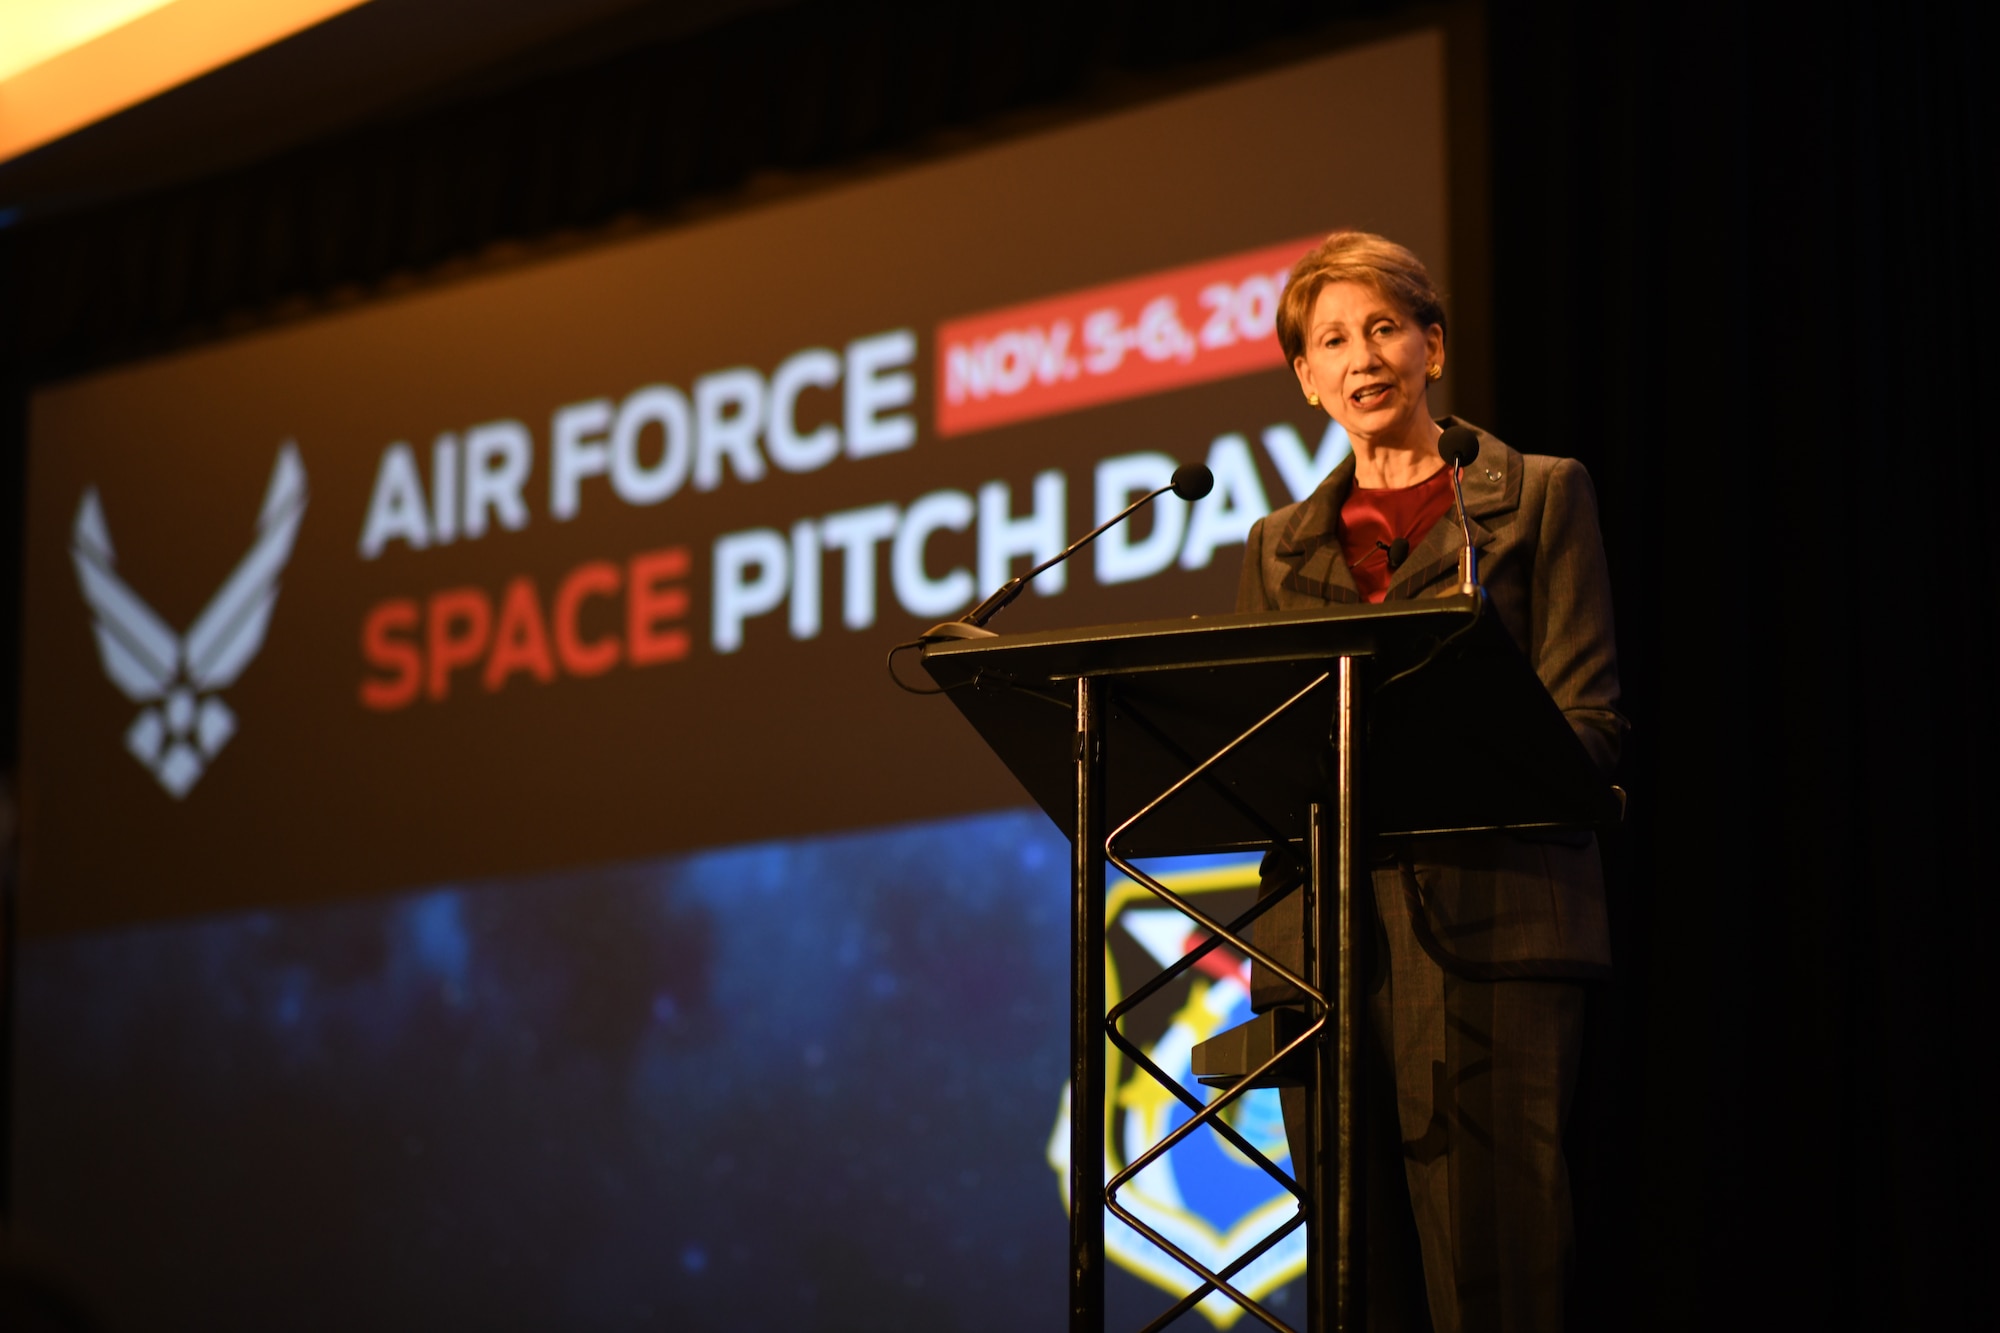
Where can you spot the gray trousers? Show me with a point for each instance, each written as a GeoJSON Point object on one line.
{"type": "Point", "coordinates": [1467, 1086]}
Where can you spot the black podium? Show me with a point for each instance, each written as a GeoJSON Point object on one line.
{"type": "Point", "coordinates": [1308, 732]}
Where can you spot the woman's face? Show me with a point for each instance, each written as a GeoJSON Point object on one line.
{"type": "Point", "coordinates": [1366, 359]}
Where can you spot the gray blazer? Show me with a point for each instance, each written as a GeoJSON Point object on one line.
{"type": "Point", "coordinates": [1492, 905]}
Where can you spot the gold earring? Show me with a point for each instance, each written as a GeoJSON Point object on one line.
{"type": "Point", "coordinates": [1434, 372]}
{"type": "Point", "coordinates": [1313, 399]}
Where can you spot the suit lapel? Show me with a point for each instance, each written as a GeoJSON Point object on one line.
{"type": "Point", "coordinates": [1492, 486]}
{"type": "Point", "coordinates": [1435, 556]}
{"type": "Point", "coordinates": [1314, 568]}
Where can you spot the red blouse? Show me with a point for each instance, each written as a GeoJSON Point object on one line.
{"type": "Point", "coordinates": [1371, 519]}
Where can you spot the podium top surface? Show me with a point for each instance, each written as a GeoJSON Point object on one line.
{"type": "Point", "coordinates": [1461, 734]}
{"type": "Point", "coordinates": [1191, 642]}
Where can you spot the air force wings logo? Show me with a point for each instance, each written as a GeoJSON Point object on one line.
{"type": "Point", "coordinates": [185, 724]}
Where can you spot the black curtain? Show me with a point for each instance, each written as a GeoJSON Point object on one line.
{"type": "Point", "coordinates": [1734, 271]}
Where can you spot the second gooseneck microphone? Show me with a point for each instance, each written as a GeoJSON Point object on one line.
{"type": "Point", "coordinates": [1458, 446]}
{"type": "Point", "coordinates": [1190, 482]}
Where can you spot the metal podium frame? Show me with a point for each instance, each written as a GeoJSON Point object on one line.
{"type": "Point", "coordinates": [1158, 697]}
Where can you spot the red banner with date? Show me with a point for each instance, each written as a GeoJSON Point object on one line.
{"type": "Point", "coordinates": [1126, 339]}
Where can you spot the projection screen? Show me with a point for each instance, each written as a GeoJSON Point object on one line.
{"type": "Point", "coordinates": [476, 870]}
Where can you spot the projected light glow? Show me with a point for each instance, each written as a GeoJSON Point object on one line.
{"type": "Point", "coordinates": [67, 63]}
{"type": "Point", "coordinates": [33, 31]}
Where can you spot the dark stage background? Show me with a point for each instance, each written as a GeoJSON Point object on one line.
{"type": "Point", "coordinates": [1732, 266]}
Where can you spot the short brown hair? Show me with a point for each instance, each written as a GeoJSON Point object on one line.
{"type": "Point", "coordinates": [1356, 256]}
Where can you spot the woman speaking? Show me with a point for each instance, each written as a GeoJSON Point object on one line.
{"type": "Point", "coordinates": [1482, 940]}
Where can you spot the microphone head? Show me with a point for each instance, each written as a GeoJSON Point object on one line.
{"type": "Point", "coordinates": [1193, 480]}
{"type": "Point", "coordinates": [1459, 446]}
{"type": "Point", "coordinates": [1399, 551]}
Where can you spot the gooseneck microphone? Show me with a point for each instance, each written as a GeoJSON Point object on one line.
{"type": "Point", "coordinates": [1458, 446]}
{"type": "Point", "coordinates": [1190, 482]}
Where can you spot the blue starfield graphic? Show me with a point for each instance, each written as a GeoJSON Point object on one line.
{"type": "Point", "coordinates": [799, 1085]}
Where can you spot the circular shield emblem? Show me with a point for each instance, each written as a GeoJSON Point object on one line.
{"type": "Point", "coordinates": [1205, 1196]}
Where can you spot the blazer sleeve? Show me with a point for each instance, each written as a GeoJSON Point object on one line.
{"type": "Point", "coordinates": [1251, 594]}
{"type": "Point", "coordinates": [1574, 650]}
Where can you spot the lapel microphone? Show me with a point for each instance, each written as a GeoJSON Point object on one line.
{"type": "Point", "coordinates": [1399, 551]}
{"type": "Point", "coordinates": [1458, 446]}
{"type": "Point", "coordinates": [1191, 481]}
